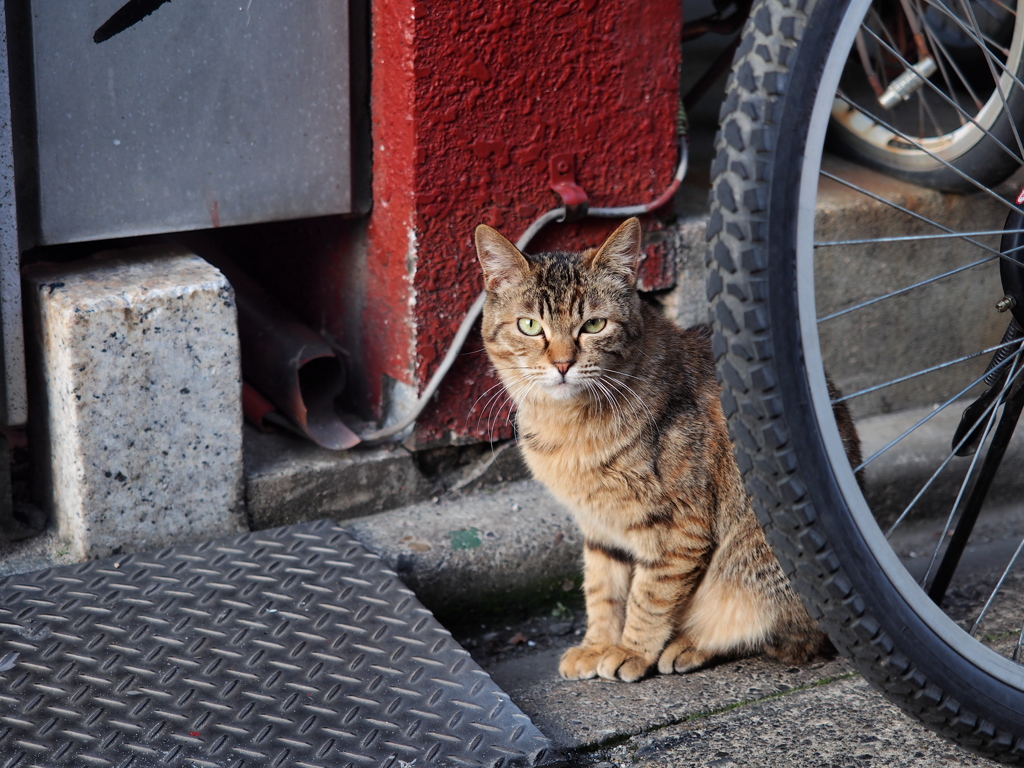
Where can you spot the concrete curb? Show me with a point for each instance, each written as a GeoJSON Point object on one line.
{"type": "Point", "coordinates": [289, 480]}
{"type": "Point", "coordinates": [487, 551]}
{"type": "Point", "coordinates": [513, 543]}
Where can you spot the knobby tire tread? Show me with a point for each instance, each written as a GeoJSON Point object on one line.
{"type": "Point", "coordinates": [737, 261]}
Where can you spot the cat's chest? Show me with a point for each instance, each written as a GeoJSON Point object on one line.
{"type": "Point", "coordinates": [599, 476]}
{"type": "Point", "coordinates": [567, 467]}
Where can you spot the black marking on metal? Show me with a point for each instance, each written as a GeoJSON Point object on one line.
{"type": "Point", "coordinates": [128, 15]}
{"type": "Point", "coordinates": [289, 647]}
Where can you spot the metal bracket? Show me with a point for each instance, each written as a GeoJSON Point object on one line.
{"type": "Point", "coordinates": [563, 181]}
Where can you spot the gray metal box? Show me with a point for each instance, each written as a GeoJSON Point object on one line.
{"type": "Point", "coordinates": [203, 113]}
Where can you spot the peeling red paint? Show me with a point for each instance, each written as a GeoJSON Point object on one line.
{"type": "Point", "coordinates": [470, 101]}
{"type": "Point", "coordinates": [387, 337]}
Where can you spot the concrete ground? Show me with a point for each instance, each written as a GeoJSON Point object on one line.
{"type": "Point", "coordinates": [500, 566]}
{"type": "Point", "coordinates": [747, 712]}
{"type": "Point", "coordinates": [498, 560]}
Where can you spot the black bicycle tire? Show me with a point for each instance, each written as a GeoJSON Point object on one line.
{"type": "Point", "coordinates": [984, 161]}
{"type": "Point", "coordinates": [765, 393]}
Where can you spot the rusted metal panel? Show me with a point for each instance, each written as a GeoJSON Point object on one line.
{"type": "Point", "coordinates": [196, 115]}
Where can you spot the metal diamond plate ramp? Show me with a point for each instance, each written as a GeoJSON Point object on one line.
{"type": "Point", "coordinates": [289, 647]}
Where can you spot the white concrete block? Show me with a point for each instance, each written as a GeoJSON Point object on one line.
{"type": "Point", "coordinates": [136, 400]}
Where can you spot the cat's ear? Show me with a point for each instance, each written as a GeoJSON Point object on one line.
{"type": "Point", "coordinates": [620, 252]}
{"type": "Point", "coordinates": [500, 260]}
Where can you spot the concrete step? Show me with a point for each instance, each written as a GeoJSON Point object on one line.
{"type": "Point", "coordinates": [896, 477]}
{"type": "Point", "coordinates": [512, 544]}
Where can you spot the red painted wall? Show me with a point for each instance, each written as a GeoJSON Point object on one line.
{"type": "Point", "coordinates": [469, 100]}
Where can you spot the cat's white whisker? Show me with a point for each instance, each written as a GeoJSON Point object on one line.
{"type": "Point", "coordinates": [623, 373]}
{"type": "Point", "coordinates": [633, 398]}
{"type": "Point", "coordinates": [636, 400]}
{"type": "Point", "coordinates": [596, 394]}
{"type": "Point", "coordinates": [499, 386]}
{"type": "Point", "coordinates": [504, 394]}
{"type": "Point", "coordinates": [520, 392]}
{"type": "Point", "coordinates": [621, 421]}
{"type": "Point", "coordinates": [494, 407]}
{"type": "Point", "coordinates": [517, 399]}
{"type": "Point", "coordinates": [612, 401]}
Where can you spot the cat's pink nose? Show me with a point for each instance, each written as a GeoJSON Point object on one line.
{"type": "Point", "coordinates": [563, 368]}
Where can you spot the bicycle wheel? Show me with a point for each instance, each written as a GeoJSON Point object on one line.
{"type": "Point", "coordinates": [953, 128]}
{"type": "Point", "coordinates": [814, 263]}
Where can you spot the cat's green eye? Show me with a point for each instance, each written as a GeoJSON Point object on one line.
{"type": "Point", "coordinates": [594, 325]}
{"type": "Point", "coordinates": [529, 326]}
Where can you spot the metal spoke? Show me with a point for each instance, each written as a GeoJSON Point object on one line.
{"type": "Point", "coordinates": [880, 63]}
{"type": "Point", "coordinates": [996, 78]}
{"type": "Point", "coordinates": [901, 209]}
{"type": "Point", "coordinates": [990, 411]}
{"type": "Point", "coordinates": [925, 371]}
{"type": "Point", "coordinates": [883, 297]}
{"type": "Point", "coordinates": [1012, 11]}
{"type": "Point", "coordinates": [995, 591]}
{"type": "Point", "coordinates": [892, 48]}
{"type": "Point", "coordinates": [945, 61]}
{"type": "Point", "coordinates": [953, 138]}
{"type": "Point", "coordinates": [994, 407]}
{"type": "Point", "coordinates": [964, 114]}
{"type": "Point", "coordinates": [912, 238]}
{"type": "Point", "coordinates": [982, 40]}
{"type": "Point", "coordinates": [910, 140]}
{"type": "Point", "coordinates": [1013, 404]}
{"type": "Point", "coordinates": [951, 60]}
{"type": "Point", "coordinates": [936, 412]}
{"type": "Point", "coordinates": [925, 107]}
{"type": "Point", "coordinates": [963, 489]}
{"type": "Point", "coordinates": [984, 43]}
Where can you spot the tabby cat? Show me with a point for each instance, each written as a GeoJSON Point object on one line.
{"type": "Point", "coordinates": [618, 415]}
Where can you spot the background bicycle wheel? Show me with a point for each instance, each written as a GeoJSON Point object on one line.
{"type": "Point", "coordinates": [949, 133]}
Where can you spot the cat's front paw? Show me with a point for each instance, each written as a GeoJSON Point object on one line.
{"type": "Point", "coordinates": [580, 662]}
{"type": "Point", "coordinates": [681, 656]}
{"type": "Point", "coordinates": [612, 662]}
{"type": "Point", "coordinates": [620, 663]}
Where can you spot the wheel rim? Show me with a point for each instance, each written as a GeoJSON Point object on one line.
{"type": "Point", "coordinates": [810, 320]}
{"type": "Point", "coordinates": [945, 131]}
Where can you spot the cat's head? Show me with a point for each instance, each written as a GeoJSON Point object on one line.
{"type": "Point", "coordinates": [558, 325]}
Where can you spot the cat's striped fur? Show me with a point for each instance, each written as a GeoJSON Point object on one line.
{"type": "Point", "coordinates": [624, 425]}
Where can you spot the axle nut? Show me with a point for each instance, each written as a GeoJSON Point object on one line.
{"type": "Point", "coordinates": [1006, 303]}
